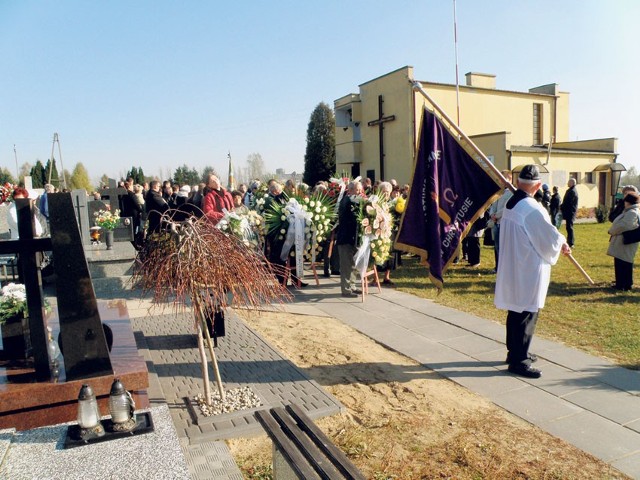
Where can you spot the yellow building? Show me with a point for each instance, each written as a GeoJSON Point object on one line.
{"type": "Point", "coordinates": [377, 131]}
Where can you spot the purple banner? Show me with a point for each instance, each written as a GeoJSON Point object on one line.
{"type": "Point", "coordinates": [449, 190]}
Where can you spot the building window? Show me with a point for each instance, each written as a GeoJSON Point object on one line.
{"type": "Point", "coordinates": [588, 177]}
{"type": "Point", "coordinates": [537, 124]}
{"type": "Point", "coordinates": [575, 175]}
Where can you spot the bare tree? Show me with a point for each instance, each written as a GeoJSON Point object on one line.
{"type": "Point", "coordinates": [255, 166]}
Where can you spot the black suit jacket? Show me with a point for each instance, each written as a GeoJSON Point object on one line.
{"type": "Point", "coordinates": [347, 231]}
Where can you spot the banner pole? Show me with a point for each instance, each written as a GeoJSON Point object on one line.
{"type": "Point", "coordinates": [580, 269]}
{"type": "Point", "coordinates": [416, 86]}
{"type": "Point", "coordinates": [506, 183]}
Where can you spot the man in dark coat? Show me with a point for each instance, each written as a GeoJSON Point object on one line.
{"type": "Point", "coordinates": [155, 206]}
{"type": "Point", "coordinates": [569, 209]}
{"type": "Point", "coordinates": [554, 207]}
{"type": "Point", "coordinates": [346, 238]}
{"type": "Point", "coordinates": [130, 207]}
{"type": "Point", "coordinates": [274, 242]}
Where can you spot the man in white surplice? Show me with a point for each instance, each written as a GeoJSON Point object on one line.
{"type": "Point", "coordinates": [529, 246]}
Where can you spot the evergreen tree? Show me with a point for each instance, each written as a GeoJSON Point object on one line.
{"type": "Point", "coordinates": [6, 177]}
{"type": "Point", "coordinates": [137, 174]}
{"type": "Point", "coordinates": [186, 176]}
{"type": "Point", "coordinates": [51, 171]}
{"type": "Point", "coordinates": [37, 173]}
{"type": "Point", "coordinates": [320, 156]}
{"type": "Point", "coordinates": [79, 178]}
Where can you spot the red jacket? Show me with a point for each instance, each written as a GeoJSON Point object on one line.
{"type": "Point", "coordinates": [214, 202]}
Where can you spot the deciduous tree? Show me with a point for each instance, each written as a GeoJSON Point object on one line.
{"type": "Point", "coordinates": [255, 166]}
{"type": "Point", "coordinates": [6, 177]}
{"type": "Point", "coordinates": [79, 178]}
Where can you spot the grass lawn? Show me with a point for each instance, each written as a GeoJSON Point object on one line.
{"type": "Point", "coordinates": [596, 319]}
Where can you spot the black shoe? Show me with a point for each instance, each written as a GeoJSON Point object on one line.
{"type": "Point", "coordinates": [357, 291]}
{"type": "Point", "coordinates": [349, 294]}
{"type": "Point", "coordinates": [303, 284]}
{"type": "Point", "coordinates": [532, 357]}
{"type": "Point", "coordinates": [335, 272]}
{"type": "Point", "coordinates": [525, 371]}
{"type": "Point", "coordinates": [327, 274]}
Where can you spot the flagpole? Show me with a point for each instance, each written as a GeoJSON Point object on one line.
{"type": "Point", "coordinates": [455, 47]}
{"type": "Point", "coordinates": [416, 85]}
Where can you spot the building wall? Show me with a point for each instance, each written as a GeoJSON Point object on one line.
{"type": "Point", "coordinates": [497, 121]}
{"type": "Point", "coordinates": [494, 146]}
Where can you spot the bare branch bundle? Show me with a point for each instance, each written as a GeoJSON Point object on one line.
{"type": "Point", "coordinates": [194, 258]}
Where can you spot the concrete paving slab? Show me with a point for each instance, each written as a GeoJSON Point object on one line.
{"type": "Point", "coordinates": [635, 426]}
{"type": "Point", "coordinates": [413, 320]}
{"type": "Point", "coordinates": [481, 379]}
{"type": "Point", "coordinates": [595, 435]}
{"type": "Point", "coordinates": [629, 465]}
{"type": "Point", "coordinates": [618, 377]}
{"type": "Point", "coordinates": [472, 345]}
{"type": "Point", "coordinates": [439, 356]}
{"type": "Point", "coordinates": [439, 331]}
{"type": "Point", "coordinates": [535, 405]}
{"type": "Point", "coordinates": [558, 380]}
{"type": "Point", "coordinates": [606, 401]}
{"type": "Point", "coordinates": [576, 360]}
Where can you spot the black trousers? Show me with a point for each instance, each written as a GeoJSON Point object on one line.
{"type": "Point", "coordinates": [473, 250]}
{"type": "Point", "coordinates": [624, 274]}
{"type": "Point", "coordinates": [570, 238]}
{"type": "Point", "coordinates": [520, 328]}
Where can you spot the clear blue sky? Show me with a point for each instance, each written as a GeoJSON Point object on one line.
{"type": "Point", "coordinates": [158, 84]}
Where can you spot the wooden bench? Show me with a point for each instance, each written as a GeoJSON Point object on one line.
{"type": "Point", "coordinates": [301, 450]}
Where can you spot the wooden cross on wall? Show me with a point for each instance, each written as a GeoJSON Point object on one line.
{"type": "Point", "coordinates": [380, 121]}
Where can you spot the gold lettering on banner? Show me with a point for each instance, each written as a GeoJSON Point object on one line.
{"type": "Point", "coordinates": [449, 196]}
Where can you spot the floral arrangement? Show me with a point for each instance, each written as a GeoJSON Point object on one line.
{"type": "Point", "coordinates": [319, 216]}
{"type": "Point", "coordinates": [6, 192]}
{"type": "Point", "coordinates": [244, 227]}
{"type": "Point", "coordinates": [259, 198]}
{"type": "Point", "coordinates": [13, 301]}
{"type": "Point", "coordinates": [396, 207]}
{"type": "Point", "coordinates": [107, 220]}
{"type": "Point", "coordinates": [337, 185]}
{"type": "Point", "coordinates": [322, 217]}
{"type": "Point", "coordinates": [376, 225]}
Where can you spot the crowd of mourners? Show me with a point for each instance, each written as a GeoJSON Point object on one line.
{"type": "Point", "coordinates": [146, 204]}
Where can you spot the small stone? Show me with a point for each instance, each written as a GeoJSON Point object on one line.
{"type": "Point", "coordinates": [242, 398]}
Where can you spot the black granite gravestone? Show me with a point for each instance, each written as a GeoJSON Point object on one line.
{"type": "Point", "coordinates": [28, 249]}
{"type": "Point", "coordinates": [111, 197]}
{"type": "Point", "coordinates": [85, 347]}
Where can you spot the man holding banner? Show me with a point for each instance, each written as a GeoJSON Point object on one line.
{"type": "Point", "coordinates": [453, 182]}
{"type": "Point", "coordinates": [529, 246]}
